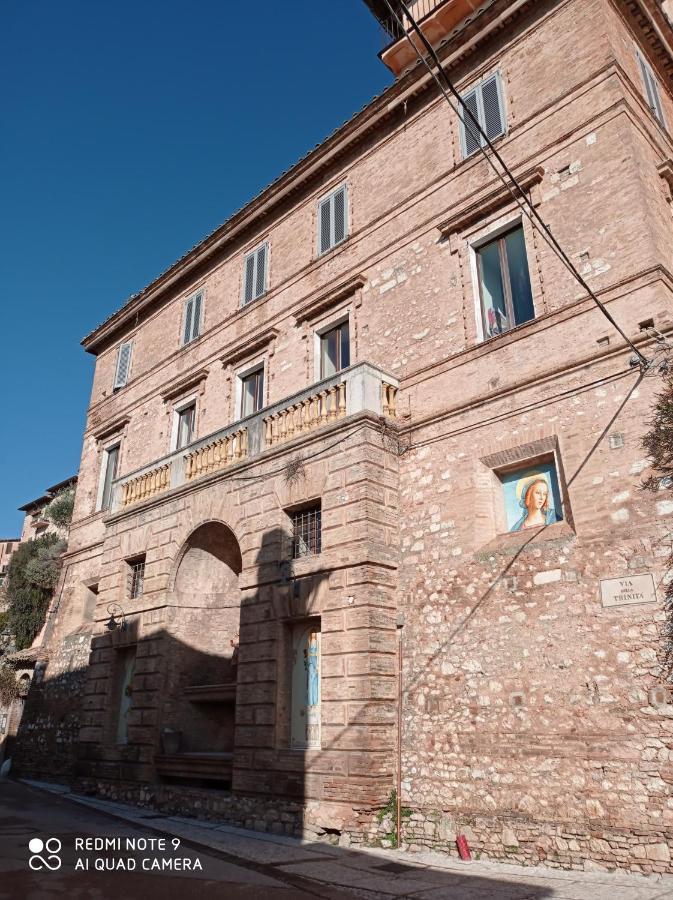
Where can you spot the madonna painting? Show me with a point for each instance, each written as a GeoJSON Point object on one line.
{"type": "Point", "coordinates": [532, 498]}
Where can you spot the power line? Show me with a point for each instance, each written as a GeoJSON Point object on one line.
{"type": "Point", "coordinates": [533, 216]}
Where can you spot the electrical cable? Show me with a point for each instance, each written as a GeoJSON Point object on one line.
{"type": "Point", "coordinates": [533, 216]}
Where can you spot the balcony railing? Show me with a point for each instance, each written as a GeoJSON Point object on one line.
{"type": "Point", "coordinates": [361, 387]}
{"type": "Point", "coordinates": [418, 9]}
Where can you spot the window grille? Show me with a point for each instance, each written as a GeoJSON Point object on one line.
{"type": "Point", "coordinates": [136, 577]}
{"type": "Point", "coordinates": [486, 103]}
{"type": "Point", "coordinates": [307, 532]}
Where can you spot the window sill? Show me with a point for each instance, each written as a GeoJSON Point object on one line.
{"type": "Point", "coordinates": [514, 542]}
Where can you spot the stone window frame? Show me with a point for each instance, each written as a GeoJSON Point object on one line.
{"type": "Point", "coordinates": [253, 365]}
{"type": "Point", "coordinates": [286, 628]}
{"type": "Point", "coordinates": [133, 565]}
{"type": "Point", "coordinates": [104, 450]}
{"type": "Point", "coordinates": [178, 408]}
{"type": "Point", "coordinates": [505, 223]}
{"type": "Point", "coordinates": [522, 456]}
{"type": "Point", "coordinates": [110, 724]}
{"type": "Point", "coordinates": [320, 328]}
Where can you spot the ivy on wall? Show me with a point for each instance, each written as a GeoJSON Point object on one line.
{"type": "Point", "coordinates": [32, 576]}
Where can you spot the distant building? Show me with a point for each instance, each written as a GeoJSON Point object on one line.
{"type": "Point", "coordinates": [35, 524]}
{"type": "Point", "coordinates": [7, 548]}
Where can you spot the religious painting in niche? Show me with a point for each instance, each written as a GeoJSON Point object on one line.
{"type": "Point", "coordinates": [305, 731]}
{"type": "Point", "coordinates": [532, 496]}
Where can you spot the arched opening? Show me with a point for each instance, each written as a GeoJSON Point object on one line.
{"type": "Point", "coordinates": [200, 681]}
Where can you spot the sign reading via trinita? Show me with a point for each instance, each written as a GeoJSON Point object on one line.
{"type": "Point", "coordinates": [628, 590]}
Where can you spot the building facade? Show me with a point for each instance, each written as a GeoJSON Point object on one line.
{"type": "Point", "coordinates": [367, 461]}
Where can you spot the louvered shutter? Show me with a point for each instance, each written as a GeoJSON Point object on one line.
{"type": "Point", "coordinates": [123, 365]}
{"type": "Point", "coordinates": [196, 316]}
{"type": "Point", "coordinates": [187, 333]}
{"type": "Point", "coordinates": [651, 89]}
{"type": "Point", "coordinates": [260, 271]}
{"type": "Point", "coordinates": [339, 214]}
{"type": "Point", "coordinates": [325, 225]}
{"type": "Point", "coordinates": [249, 278]}
{"type": "Point", "coordinates": [492, 106]}
{"type": "Point", "coordinates": [469, 132]}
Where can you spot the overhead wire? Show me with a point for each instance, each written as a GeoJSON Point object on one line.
{"type": "Point", "coordinates": [531, 212]}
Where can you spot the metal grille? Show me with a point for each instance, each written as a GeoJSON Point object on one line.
{"type": "Point", "coordinates": [307, 532]}
{"type": "Point", "coordinates": [136, 577]}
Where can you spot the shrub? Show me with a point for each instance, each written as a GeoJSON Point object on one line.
{"type": "Point", "coordinates": [33, 573]}
{"type": "Point", "coordinates": [60, 509]}
{"type": "Point", "coordinates": [9, 688]}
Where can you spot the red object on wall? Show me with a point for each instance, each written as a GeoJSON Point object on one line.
{"type": "Point", "coordinates": [463, 849]}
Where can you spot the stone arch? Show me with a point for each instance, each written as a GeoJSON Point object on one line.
{"type": "Point", "coordinates": [209, 562]}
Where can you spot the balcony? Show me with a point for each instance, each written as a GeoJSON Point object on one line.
{"type": "Point", "coordinates": [436, 18]}
{"type": "Point", "coordinates": [360, 388]}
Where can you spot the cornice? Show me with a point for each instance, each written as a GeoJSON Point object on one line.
{"type": "Point", "coordinates": [486, 203]}
{"type": "Point", "coordinates": [329, 298]}
{"type": "Point", "coordinates": [248, 345]}
{"type": "Point", "coordinates": [182, 384]}
{"type": "Point", "coordinates": [109, 428]}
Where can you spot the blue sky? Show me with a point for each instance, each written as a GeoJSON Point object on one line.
{"type": "Point", "coordinates": [129, 132]}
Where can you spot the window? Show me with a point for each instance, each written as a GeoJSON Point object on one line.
{"type": "Point", "coordinates": [531, 495]}
{"type": "Point", "coordinates": [255, 271]}
{"type": "Point", "coordinates": [306, 531]}
{"type": "Point", "coordinates": [504, 283]}
{"type": "Point", "coordinates": [651, 89]}
{"type": "Point", "coordinates": [333, 220]}
{"type": "Point", "coordinates": [486, 104]}
{"type": "Point", "coordinates": [185, 419]}
{"type": "Point", "coordinates": [110, 464]}
{"type": "Point", "coordinates": [191, 327]}
{"type": "Point", "coordinates": [335, 353]}
{"type": "Point", "coordinates": [136, 576]}
{"type": "Point", "coordinates": [123, 369]}
{"type": "Point", "coordinates": [252, 392]}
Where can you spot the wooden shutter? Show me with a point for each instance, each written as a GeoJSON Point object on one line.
{"type": "Point", "coordinates": [651, 89]}
{"type": "Point", "coordinates": [260, 271]}
{"type": "Point", "coordinates": [325, 225]}
{"type": "Point", "coordinates": [123, 365]}
{"type": "Point", "coordinates": [187, 331]}
{"type": "Point", "coordinates": [469, 133]}
{"type": "Point", "coordinates": [493, 121]}
{"type": "Point", "coordinates": [197, 302]}
{"type": "Point", "coordinates": [339, 213]}
{"type": "Point", "coordinates": [255, 273]}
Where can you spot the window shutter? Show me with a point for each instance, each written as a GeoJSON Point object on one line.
{"type": "Point", "coordinates": [260, 271]}
{"type": "Point", "coordinates": [651, 89]}
{"type": "Point", "coordinates": [325, 217]}
{"type": "Point", "coordinates": [339, 211]}
{"type": "Point", "coordinates": [187, 333]}
{"type": "Point", "coordinates": [249, 278]}
{"type": "Point", "coordinates": [470, 136]}
{"type": "Point", "coordinates": [196, 316]}
{"type": "Point", "coordinates": [494, 114]}
{"type": "Point", "coordinates": [123, 365]}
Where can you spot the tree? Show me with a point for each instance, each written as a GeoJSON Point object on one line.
{"type": "Point", "coordinates": [60, 509]}
{"type": "Point", "coordinates": [33, 573]}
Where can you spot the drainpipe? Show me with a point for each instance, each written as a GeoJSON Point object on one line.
{"type": "Point", "coordinates": [400, 626]}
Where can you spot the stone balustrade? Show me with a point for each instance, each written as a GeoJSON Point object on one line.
{"type": "Point", "coordinates": [360, 388]}
{"type": "Point", "coordinates": [306, 415]}
{"type": "Point", "coordinates": [217, 454]}
{"type": "Point", "coordinates": [147, 485]}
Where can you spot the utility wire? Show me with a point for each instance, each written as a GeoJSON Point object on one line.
{"type": "Point", "coordinates": [533, 216]}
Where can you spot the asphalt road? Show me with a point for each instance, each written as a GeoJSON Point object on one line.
{"type": "Point", "coordinates": [145, 869]}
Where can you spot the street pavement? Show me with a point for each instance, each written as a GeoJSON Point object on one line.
{"type": "Point", "coordinates": [233, 863]}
